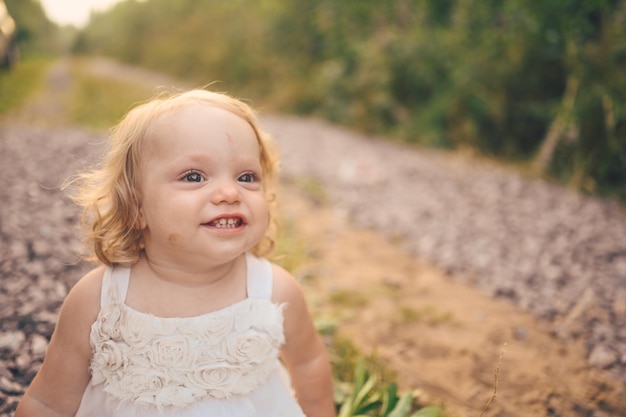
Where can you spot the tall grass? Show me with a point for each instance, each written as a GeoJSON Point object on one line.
{"type": "Point", "coordinates": [100, 102]}
{"type": "Point", "coordinates": [18, 84]}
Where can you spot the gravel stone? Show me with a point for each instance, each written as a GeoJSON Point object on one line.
{"type": "Point", "coordinates": [602, 357]}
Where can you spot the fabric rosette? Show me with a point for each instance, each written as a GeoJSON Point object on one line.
{"type": "Point", "coordinates": [135, 329]}
{"type": "Point", "coordinates": [107, 326]}
{"type": "Point", "coordinates": [249, 348]}
{"type": "Point", "coordinates": [215, 329]}
{"type": "Point", "coordinates": [174, 351]}
{"type": "Point", "coordinates": [218, 379]}
{"type": "Point", "coordinates": [108, 359]}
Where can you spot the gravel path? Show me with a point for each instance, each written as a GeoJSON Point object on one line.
{"type": "Point", "coordinates": [38, 245]}
{"type": "Point", "coordinates": [556, 254]}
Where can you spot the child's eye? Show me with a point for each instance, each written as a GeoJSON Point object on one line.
{"type": "Point", "coordinates": [247, 177]}
{"type": "Point", "coordinates": [192, 176]}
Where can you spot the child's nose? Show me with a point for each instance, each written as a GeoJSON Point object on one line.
{"type": "Point", "coordinates": [226, 192]}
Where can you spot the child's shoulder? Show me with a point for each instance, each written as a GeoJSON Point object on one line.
{"type": "Point", "coordinates": [80, 309]}
{"type": "Point", "coordinates": [91, 281]}
{"type": "Point", "coordinates": [85, 294]}
{"type": "Point", "coordinates": [285, 286]}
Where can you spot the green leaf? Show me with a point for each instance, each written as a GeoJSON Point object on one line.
{"type": "Point", "coordinates": [367, 390]}
{"type": "Point", "coordinates": [360, 375]}
{"type": "Point", "coordinates": [390, 399]}
{"type": "Point", "coordinates": [346, 408]}
{"type": "Point", "coordinates": [372, 404]}
{"type": "Point", "coordinates": [403, 407]}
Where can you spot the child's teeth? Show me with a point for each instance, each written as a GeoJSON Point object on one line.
{"type": "Point", "coordinates": [226, 223]}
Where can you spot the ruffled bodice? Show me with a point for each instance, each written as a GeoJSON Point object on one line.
{"type": "Point", "coordinates": [160, 366]}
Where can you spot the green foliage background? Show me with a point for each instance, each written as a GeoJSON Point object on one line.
{"type": "Point", "coordinates": [489, 75]}
{"type": "Point", "coordinates": [36, 35]}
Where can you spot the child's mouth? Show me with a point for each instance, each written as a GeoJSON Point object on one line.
{"type": "Point", "coordinates": [226, 223]}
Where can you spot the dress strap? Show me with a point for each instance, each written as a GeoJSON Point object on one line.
{"type": "Point", "coordinates": [258, 277]}
{"type": "Point", "coordinates": [106, 283]}
{"type": "Point", "coordinates": [114, 285]}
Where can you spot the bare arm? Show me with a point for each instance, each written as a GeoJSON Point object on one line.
{"type": "Point", "coordinates": [58, 387]}
{"type": "Point", "coordinates": [304, 353]}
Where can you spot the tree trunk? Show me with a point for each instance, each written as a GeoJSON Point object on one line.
{"type": "Point", "coordinates": [558, 126]}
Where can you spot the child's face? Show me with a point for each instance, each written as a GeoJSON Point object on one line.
{"type": "Point", "coordinates": [202, 198]}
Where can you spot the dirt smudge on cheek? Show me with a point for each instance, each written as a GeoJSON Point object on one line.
{"type": "Point", "coordinates": [175, 239]}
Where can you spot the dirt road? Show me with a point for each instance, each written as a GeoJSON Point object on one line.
{"type": "Point", "coordinates": [434, 262]}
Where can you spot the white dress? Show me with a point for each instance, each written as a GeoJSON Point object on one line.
{"type": "Point", "coordinates": [220, 364]}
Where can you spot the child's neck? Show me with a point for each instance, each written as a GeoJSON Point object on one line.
{"type": "Point", "coordinates": [177, 274]}
{"type": "Point", "coordinates": [166, 290]}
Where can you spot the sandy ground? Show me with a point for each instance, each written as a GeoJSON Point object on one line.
{"type": "Point", "coordinates": [444, 339]}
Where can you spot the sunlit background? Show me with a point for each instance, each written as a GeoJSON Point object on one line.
{"type": "Point", "coordinates": [74, 12]}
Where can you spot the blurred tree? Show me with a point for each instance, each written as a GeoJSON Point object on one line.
{"type": "Point", "coordinates": [36, 34]}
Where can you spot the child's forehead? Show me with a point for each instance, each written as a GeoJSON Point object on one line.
{"type": "Point", "coordinates": [172, 124]}
{"type": "Point", "coordinates": [196, 108]}
{"type": "Point", "coordinates": [177, 117]}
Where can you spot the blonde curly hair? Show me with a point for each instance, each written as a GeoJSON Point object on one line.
{"type": "Point", "coordinates": [108, 193]}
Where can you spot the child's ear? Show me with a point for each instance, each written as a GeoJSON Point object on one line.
{"type": "Point", "coordinates": [140, 223]}
{"type": "Point", "coordinates": [140, 218]}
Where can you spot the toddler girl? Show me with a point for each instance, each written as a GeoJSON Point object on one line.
{"type": "Point", "coordinates": [183, 318]}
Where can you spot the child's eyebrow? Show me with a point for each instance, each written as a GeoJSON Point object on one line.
{"type": "Point", "coordinates": [249, 160]}
{"type": "Point", "coordinates": [193, 159]}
